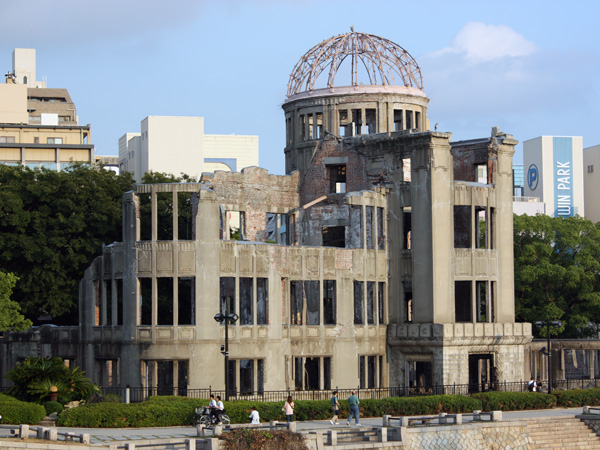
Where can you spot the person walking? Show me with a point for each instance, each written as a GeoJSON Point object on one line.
{"type": "Point", "coordinates": [335, 408]}
{"type": "Point", "coordinates": [353, 401]}
{"type": "Point", "coordinates": [288, 409]}
{"type": "Point", "coordinates": [254, 417]}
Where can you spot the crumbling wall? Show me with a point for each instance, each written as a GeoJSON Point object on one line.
{"type": "Point", "coordinates": [468, 155]}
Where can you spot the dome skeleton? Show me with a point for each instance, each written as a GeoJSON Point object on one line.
{"type": "Point", "coordinates": [377, 55]}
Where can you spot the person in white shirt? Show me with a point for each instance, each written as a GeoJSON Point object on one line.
{"type": "Point", "coordinates": [220, 409]}
{"type": "Point", "coordinates": [212, 405]}
{"type": "Point", "coordinates": [254, 417]}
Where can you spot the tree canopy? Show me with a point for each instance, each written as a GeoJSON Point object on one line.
{"type": "Point", "coordinates": [557, 273]}
{"type": "Point", "coordinates": [10, 311]}
{"type": "Point", "coordinates": [52, 225]}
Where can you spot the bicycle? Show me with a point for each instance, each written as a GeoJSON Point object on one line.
{"type": "Point", "coordinates": [205, 417]}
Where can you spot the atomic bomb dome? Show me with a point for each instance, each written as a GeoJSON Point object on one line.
{"type": "Point", "coordinates": [380, 61]}
{"type": "Point", "coordinates": [350, 85]}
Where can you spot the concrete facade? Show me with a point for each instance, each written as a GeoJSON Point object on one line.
{"type": "Point", "coordinates": [176, 145]}
{"type": "Point", "coordinates": [383, 258]}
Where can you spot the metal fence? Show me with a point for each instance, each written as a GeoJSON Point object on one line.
{"type": "Point", "coordinates": [139, 394]}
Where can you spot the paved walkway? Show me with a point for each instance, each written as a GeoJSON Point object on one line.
{"type": "Point", "coordinates": [113, 435]}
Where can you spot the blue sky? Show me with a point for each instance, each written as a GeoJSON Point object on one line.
{"type": "Point", "coordinates": [529, 67]}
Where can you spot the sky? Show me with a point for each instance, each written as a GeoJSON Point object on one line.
{"type": "Point", "coordinates": [529, 67]}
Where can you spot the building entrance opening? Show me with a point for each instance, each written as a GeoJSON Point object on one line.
{"type": "Point", "coordinates": [481, 372]}
{"type": "Point", "coordinates": [420, 377]}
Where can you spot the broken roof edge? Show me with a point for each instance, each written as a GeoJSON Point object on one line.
{"type": "Point", "coordinates": [360, 89]}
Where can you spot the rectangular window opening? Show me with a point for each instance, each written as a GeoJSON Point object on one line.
{"type": "Point", "coordinates": [381, 302]}
{"type": "Point", "coordinates": [165, 300]}
{"type": "Point", "coordinates": [246, 301]}
{"type": "Point", "coordinates": [344, 124]}
{"type": "Point", "coordinates": [246, 376]}
{"type": "Point", "coordinates": [119, 283]}
{"type": "Point", "coordinates": [186, 303]}
{"type": "Point", "coordinates": [462, 226]}
{"type": "Point", "coordinates": [462, 301]}
{"type": "Point", "coordinates": [357, 122]}
{"type": "Point", "coordinates": [369, 219]}
{"type": "Point", "coordinates": [380, 230]}
{"type": "Point", "coordinates": [371, 303]}
{"type": "Point", "coordinates": [145, 301]}
{"type": "Point", "coordinates": [329, 302]}
{"type": "Point", "coordinates": [164, 211]}
{"type": "Point", "coordinates": [334, 237]}
{"type": "Point", "coordinates": [417, 120]}
{"type": "Point", "coordinates": [145, 216]}
{"type": "Point", "coordinates": [326, 373]}
{"type": "Point", "coordinates": [409, 120]}
{"type": "Point", "coordinates": [319, 128]}
{"type": "Point", "coordinates": [398, 122]}
{"type": "Point", "coordinates": [481, 288]}
{"type": "Point", "coordinates": [262, 301]}
{"type": "Point", "coordinates": [481, 173]}
{"type": "Point", "coordinates": [407, 229]}
{"type": "Point", "coordinates": [358, 303]}
{"type": "Point", "coordinates": [481, 227]}
{"type": "Point", "coordinates": [185, 230]}
{"type": "Point", "coordinates": [371, 119]}
{"type": "Point", "coordinates": [312, 293]}
{"type": "Point", "coordinates": [109, 303]}
{"type": "Point", "coordinates": [297, 299]}
{"type": "Point", "coordinates": [337, 178]}
{"type": "Point", "coordinates": [227, 295]}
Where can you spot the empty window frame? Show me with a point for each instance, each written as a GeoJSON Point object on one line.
{"type": "Point", "coordinates": [371, 305]}
{"type": "Point", "coordinates": [119, 285]}
{"type": "Point", "coordinates": [227, 295]}
{"type": "Point", "coordinates": [309, 370]}
{"type": "Point", "coordinates": [319, 126]}
{"type": "Point", "coordinates": [482, 305]}
{"type": "Point", "coordinates": [345, 126]}
{"type": "Point", "coordinates": [297, 300]}
{"type": "Point", "coordinates": [145, 301]}
{"type": "Point", "coordinates": [246, 300]}
{"type": "Point", "coordinates": [313, 310]}
{"type": "Point", "coordinates": [262, 301]}
{"type": "Point", "coordinates": [481, 228]}
{"type": "Point", "coordinates": [408, 302]}
{"type": "Point", "coordinates": [334, 237]}
{"type": "Point", "coordinates": [409, 120]}
{"type": "Point", "coordinates": [164, 287]}
{"type": "Point", "coordinates": [164, 212]}
{"type": "Point", "coordinates": [278, 226]}
{"type": "Point", "coordinates": [303, 127]}
{"type": "Point", "coordinates": [357, 122]}
{"type": "Point", "coordinates": [381, 302]}
{"type": "Point", "coordinates": [398, 119]}
{"type": "Point", "coordinates": [185, 231]}
{"type": "Point", "coordinates": [329, 302]}
{"type": "Point", "coordinates": [246, 376]}
{"type": "Point", "coordinates": [108, 303]}
{"type": "Point", "coordinates": [380, 229]}
{"type": "Point", "coordinates": [311, 126]}
{"type": "Point", "coordinates": [463, 301]}
{"type": "Point", "coordinates": [492, 227]}
{"type": "Point", "coordinates": [186, 300]}
{"type": "Point", "coordinates": [481, 173]}
{"type": "Point", "coordinates": [145, 216]}
{"type": "Point", "coordinates": [359, 303]}
{"type": "Point", "coordinates": [462, 226]}
{"type": "Point", "coordinates": [492, 309]}
{"type": "Point", "coordinates": [417, 120]}
{"type": "Point", "coordinates": [369, 218]}
{"type": "Point", "coordinates": [420, 375]}
{"type": "Point", "coordinates": [369, 370]}
{"type": "Point", "coordinates": [406, 229]}
{"type": "Point", "coordinates": [337, 178]}
{"type": "Point", "coordinates": [288, 130]}
{"type": "Point", "coordinates": [371, 119]}
{"type": "Point", "coordinates": [233, 225]}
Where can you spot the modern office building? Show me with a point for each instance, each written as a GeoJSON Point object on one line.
{"type": "Point", "coordinates": [39, 125]}
{"type": "Point", "coordinates": [176, 145]}
{"type": "Point", "coordinates": [553, 171]}
{"type": "Point", "coordinates": [383, 257]}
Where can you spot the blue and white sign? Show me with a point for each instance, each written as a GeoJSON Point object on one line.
{"type": "Point", "coordinates": [533, 177]}
{"type": "Point", "coordinates": [563, 176]}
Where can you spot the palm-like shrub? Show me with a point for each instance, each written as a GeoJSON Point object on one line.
{"type": "Point", "coordinates": [41, 379]}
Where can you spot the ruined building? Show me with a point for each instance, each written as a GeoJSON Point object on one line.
{"type": "Point", "coordinates": [383, 258]}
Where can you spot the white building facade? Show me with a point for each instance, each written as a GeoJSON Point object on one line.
{"type": "Point", "coordinates": [591, 162]}
{"type": "Point", "coordinates": [553, 167]}
{"type": "Point", "coordinates": [177, 144]}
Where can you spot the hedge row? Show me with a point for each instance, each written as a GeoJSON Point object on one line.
{"type": "Point", "coordinates": [178, 411]}
{"type": "Point", "coordinates": [14, 411]}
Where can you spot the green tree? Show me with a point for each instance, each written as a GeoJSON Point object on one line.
{"type": "Point", "coordinates": [52, 225]}
{"type": "Point", "coordinates": [557, 273]}
{"type": "Point", "coordinates": [40, 379]}
{"type": "Point", "coordinates": [10, 315]}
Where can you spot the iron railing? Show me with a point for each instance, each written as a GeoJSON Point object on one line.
{"type": "Point", "coordinates": [139, 394]}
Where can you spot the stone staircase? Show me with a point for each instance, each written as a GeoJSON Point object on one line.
{"type": "Point", "coordinates": [565, 433]}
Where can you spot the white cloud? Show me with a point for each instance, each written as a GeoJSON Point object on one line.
{"type": "Point", "coordinates": [478, 42]}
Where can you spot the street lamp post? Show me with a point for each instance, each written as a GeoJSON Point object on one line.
{"type": "Point", "coordinates": [227, 318]}
{"type": "Point", "coordinates": [548, 353]}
